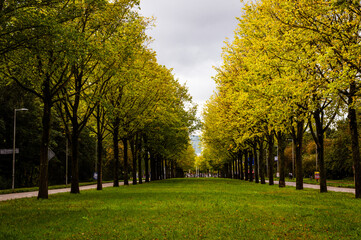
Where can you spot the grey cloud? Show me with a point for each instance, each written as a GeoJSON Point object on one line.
{"type": "Point", "coordinates": [189, 36]}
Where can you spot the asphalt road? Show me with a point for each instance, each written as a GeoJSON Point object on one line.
{"type": "Point", "coordinates": [5, 197]}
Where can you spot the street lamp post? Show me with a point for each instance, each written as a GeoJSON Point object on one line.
{"type": "Point", "coordinates": [278, 167]}
{"type": "Point", "coordinates": [15, 110]}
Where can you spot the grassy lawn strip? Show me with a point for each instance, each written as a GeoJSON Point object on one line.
{"type": "Point", "coordinates": [33, 189]}
{"type": "Point", "coordinates": [185, 209]}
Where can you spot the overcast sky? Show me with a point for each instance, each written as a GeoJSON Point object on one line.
{"type": "Point", "coordinates": [189, 36]}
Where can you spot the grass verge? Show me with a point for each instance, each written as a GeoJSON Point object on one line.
{"type": "Point", "coordinates": [185, 209]}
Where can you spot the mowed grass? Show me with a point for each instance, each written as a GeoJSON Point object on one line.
{"type": "Point", "coordinates": [185, 209]}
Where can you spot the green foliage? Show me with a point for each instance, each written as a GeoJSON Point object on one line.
{"type": "Point", "coordinates": [28, 132]}
{"type": "Point", "coordinates": [338, 154]}
{"type": "Point", "coordinates": [78, 56]}
{"type": "Point", "coordinates": [288, 64]}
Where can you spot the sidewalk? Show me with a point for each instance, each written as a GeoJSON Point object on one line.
{"type": "Point", "coordinates": [5, 197]}
{"type": "Point", "coordinates": [314, 186]}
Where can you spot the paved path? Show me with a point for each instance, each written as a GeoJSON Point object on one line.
{"type": "Point", "coordinates": [5, 197]}
{"type": "Point", "coordinates": [314, 186]}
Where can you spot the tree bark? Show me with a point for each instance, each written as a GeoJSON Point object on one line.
{"type": "Point", "coordinates": [157, 167]}
{"type": "Point", "coordinates": [99, 161]}
{"type": "Point", "coordinates": [146, 165]}
{"type": "Point", "coordinates": [298, 138]}
{"type": "Point", "coordinates": [319, 140]}
{"type": "Point", "coordinates": [99, 150]}
{"type": "Point", "coordinates": [354, 141]}
{"type": "Point", "coordinates": [152, 166]}
{"type": "Point", "coordinates": [238, 167]}
{"type": "Point", "coordinates": [250, 160]}
{"type": "Point", "coordinates": [255, 162]}
{"type": "Point", "coordinates": [146, 158]}
{"type": "Point", "coordinates": [161, 165]}
{"type": "Point", "coordinates": [262, 162]}
{"type": "Point", "coordinates": [43, 178]}
{"type": "Point", "coordinates": [172, 174]}
{"type": "Point", "coordinates": [116, 152]}
{"type": "Point", "coordinates": [270, 159]}
{"type": "Point", "coordinates": [281, 141]}
{"type": "Point", "coordinates": [74, 159]}
{"type": "Point", "coordinates": [233, 169]}
{"type": "Point", "coordinates": [139, 156]}
{"type": "Point", "coordinates": [75, 133]}
{"type": "Point", "coordinates": [134, 159]}
{"type": "Point", "coordinates": [240, 156]}
{"type": "Point", "coordinates": [246, 175]}
{"type": "Point", "coordinates": [125, 145]}
{"type": "Point", "coordinates": [166, 169]}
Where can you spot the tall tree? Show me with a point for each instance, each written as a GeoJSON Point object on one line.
{"type": "Point", "coordinates": [40, 58]}
{"type": "Point", "coordinates": [94, 28]}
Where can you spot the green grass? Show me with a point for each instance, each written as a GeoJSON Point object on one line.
{"type": "Point", "coordinates": [185, 209]}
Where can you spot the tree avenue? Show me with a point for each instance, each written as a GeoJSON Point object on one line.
{"type": "Point", "coordinates": [288, 81]}
{"type": "Point", "coordinates": [291, 70]}
{"type": "Point", "coordinates": [90, 66]}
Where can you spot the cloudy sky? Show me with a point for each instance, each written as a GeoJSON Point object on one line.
{"type": "Point", "coordinates": [189, 36]}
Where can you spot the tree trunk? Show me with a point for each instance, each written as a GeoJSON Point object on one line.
{"type": "Point", "coordinates": [172, 169]}
{"type": "Point", "coordinates": [240, 156]}
{"type": "Point", "coordinates": [116, 153]}
{"type": "Point", "coordinates": [125, 145]}
{"type": "Point", "coordinates": [238, 175]}
{"type": "Point", "coordinates": [134, 159]}
{"type": "Point", "coordinates": [233, 169]}
{"type": "Point", "coordinates": [226, 170]}
{"type": "Point", "coordinates": [146, 165]}
{"type": "Point", "coordinates": [281, 141]}
{"type": "Point", "coordinates": [157, 167]}
{"type": "Point", "coordinates": [297, 138]}
{"type": "Point", "coordinates": [319, 140]}
{"type": "Point", "coordinates": [250, 175]}
{"type": "Point", "coordinates": [354, 141]}
{"type": "Point", "coordinates": [43, 178]}
{"type": "Point", "coordinates": [139, 156]}
{"type": "Point", "coordinates": [74, 159]}
{"type": "Point", "coordinates": [166, 169]}
{"type": "Point", "coordinates": [255, 162]}
{"type": "Point", "coordinates": [100, 150]}
{"type": "Point", "coordinates": [261, 162]}
{"type": "Point", "coordinates": [246, 175]}
{"type": "Point", "coordinates": [152, 166]}
{"type": "Point", "coordinates": [161, 169]}
{"type": "Point", "coordinates": [99, 161]}
{"type": "Point", "coordinates": [238, 167]}
{"type": "Point", "coordinates": [75, 134]}
{"type": "Point", "coordinates": [270, 159]}
{"type": "Point", "coordinates": [146, 158]}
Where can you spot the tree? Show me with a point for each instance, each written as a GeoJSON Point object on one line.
{"type": "Point", "coordinates": [94, 29]}
{"type": "Point", "coordinates": [36, 61]}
